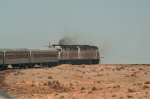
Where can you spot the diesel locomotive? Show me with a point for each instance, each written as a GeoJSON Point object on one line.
{"type": "Point", "coordinates": [55, 55]}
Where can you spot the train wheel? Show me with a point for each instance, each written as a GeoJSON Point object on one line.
{"type": "Point", "coordinates": [90, 62]}
{"type": "Point", "coordinates": [30, 65]}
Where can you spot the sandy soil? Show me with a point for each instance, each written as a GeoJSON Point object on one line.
{"type": "Point", "coordinates": [80, 82]}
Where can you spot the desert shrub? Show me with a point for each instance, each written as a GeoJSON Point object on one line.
{"type": "Point", "coordinates": [139, 84]}
{"type": "Point", "coordinates": [23, 81]}
{"type": "Point", "coordinates": [57, 82]}
{"type": "Point", "coordinates": [83, 88]}
{"type": "Point", "coordinates": [57, 86]}
{"type": "Point", "coordinates": [146, 92]}
{"type": "Point", "coordinates": [116, 86]}
{"type": "Point", "coordinates": [45, 84]}
{"type": "Point", "coordinates": [50, 77]}
{"type": "Point", "coordinates": [132, 69]}
{"type": "Point", "coordinates": [121, 98]}
{"type": "Point", "coordinates": [71, 84]}
{"type": "Point", "coordinates": [129, 96]}
{"type": "Point", "coordinates": [49, 84]}
{"type": "Point", "coordinates": [145, 73]}
{"type": "Point", "coordinates": [90, 92]}
{"type": "Point", "coordinates": [108, 87]}
{"type": "Point", "coordinates": [107, 68]}
{"type": "Point", "coordinates": [62, 97]}
{"type": "Point", "coordinates": [33, 85]}
{"type": "Point", "coordinates": [145, 87]}
{"type": "Point", "coordinates": [79, 76]}
{"type": "Point", "coordinates": [83, 72]}
{"type": "Point", "coordinates": [120, 68]}
{"type": "Point", "coordinates": [18, 73]}
{"type": "Point", "coordinates": [133, 74]}
{"type": "Point", "coordinates": [83, 66]}
{"type": "Point", "coordinates": [131, 90]}
{"type": "Point", "coordinates": [113, 95]}
{"type": "Point", "coordinates": [99, 75]}
{"type": "Point", "coordinates": [134, 64]}
{"type": "Point", "coordinates": [140, 68]}
{"type": "Point", "coordinates": [147, 82]}
{"type": "Point", "coordinates": [94, 88]}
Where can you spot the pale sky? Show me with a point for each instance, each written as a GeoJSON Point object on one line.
{"type": "Point", "coordinates": [120, 28]}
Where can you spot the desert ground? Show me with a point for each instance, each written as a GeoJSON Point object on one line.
{"type": "Point", "coordinates": [78, 82]}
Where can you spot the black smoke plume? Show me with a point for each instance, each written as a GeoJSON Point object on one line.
{"type": "Point", "coordinates": [67, 41]}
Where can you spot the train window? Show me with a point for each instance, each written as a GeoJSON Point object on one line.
{"type": "Point", "coordinates": [45, 55]}
{"type": "Point", "coordinates": [1, 57]}
{"type": "Point", "coordinates": [73, 49]}
{"type": "Point", "coordinates": [91, 48]}
{"type": "Point", "coordinates": [64, 48]}
{"type": "Point", "coordinates": [67, 48]}
{"type": "Point", "coordinates": [17, 56]}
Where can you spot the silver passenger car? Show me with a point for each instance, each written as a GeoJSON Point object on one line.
{"type": "Point", "coordinates": [28, 57]}
{"type": "Point", "coordinates": [1, 57]}
{"type": "Point", "coordinates": [14, 57]}
{"type": "Point", "coordinates": [44, 57]}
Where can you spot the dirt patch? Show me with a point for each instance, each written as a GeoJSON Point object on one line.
{"type": "Point", "coordinates": [81, 82]}
{"type": "Point", "coordinates": [3, 86]}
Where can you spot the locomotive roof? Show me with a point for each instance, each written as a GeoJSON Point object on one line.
{"type": "Point", "coordinates": [45, 50]}
{"type": "Point", "coordinates": [16, 50]}
{"type": "Point", "coordinates": [75, 46]}
{"type": "Point", "coordinates": [27, 50]}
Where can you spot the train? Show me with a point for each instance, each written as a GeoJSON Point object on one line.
{"type": "Point", "coordinates": [53, 56]}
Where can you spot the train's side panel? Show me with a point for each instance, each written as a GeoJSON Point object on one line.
{"type": "Point", "coordinates": [17, 57]}
{"type": "Point", "coordinates": [89, 53]}
{"type": "Point", "coordinates": [69, 54]}
{"type": "Point", "coordinates": [79, 54]}
{"type": "Point", "coordinates": [63, 55]}
{"type": "Point", "coordinates": [1, 58]}
{"type": "Point", "coordinates": [74, 54]}
{"type": "Point", "coordinates": [97, 54]}
{"type": "Point", "coordinates": [84, 54]}
{"type": "Point", "coordinates": [38, 56]}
